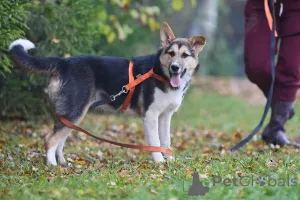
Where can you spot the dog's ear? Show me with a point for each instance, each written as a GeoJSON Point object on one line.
{"type": "Point", "coordinates": [166, 35]}
{"type": "Point", "coordinates": [198, 42]}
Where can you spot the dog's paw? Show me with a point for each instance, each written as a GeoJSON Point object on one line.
{"type": "Point", "coordinates": [170, 158]}
{"type": "Point", "coordinates": [51, 162]}
{"type": "Point", "coordinates": [63, 163]}
{"type": "Point", "coordinates": [158, 157]}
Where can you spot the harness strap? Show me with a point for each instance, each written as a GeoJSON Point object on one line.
{"type": "Point", "coordinates": [131, 146]}
{"type": "Point", "coordinates": [131, 90]}
{"type": "Point", "coordinates": [134, 82]}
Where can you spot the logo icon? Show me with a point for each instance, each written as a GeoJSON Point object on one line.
{"type": "Point", "coordinates": [197, 189]}
{"type": "Point", "coordinates": [261, 181]}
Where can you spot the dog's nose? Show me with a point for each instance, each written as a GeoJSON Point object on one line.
{"type": "Point", "coordinates": [175, 68]}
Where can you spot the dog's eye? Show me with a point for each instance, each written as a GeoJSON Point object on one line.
{"type": "Point", "coordinates": [171, 53]}
{"type": "Point", "coordinates": [185, 55]}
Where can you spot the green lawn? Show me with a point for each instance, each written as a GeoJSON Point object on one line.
{"type": "Point", "coordinates": [205, 127]}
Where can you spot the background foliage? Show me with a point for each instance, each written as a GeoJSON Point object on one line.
{"type": "Point", "coordinates": [12, 26]}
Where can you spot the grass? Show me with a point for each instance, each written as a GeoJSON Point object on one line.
{"type": "Point", "coordinates": [206, 125]}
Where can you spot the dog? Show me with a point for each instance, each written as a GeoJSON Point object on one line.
{"type": "Point", "coordinates": [78, 82]}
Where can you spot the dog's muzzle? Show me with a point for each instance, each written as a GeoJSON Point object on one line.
{"type": "Point", "coordinates": [176, 73]}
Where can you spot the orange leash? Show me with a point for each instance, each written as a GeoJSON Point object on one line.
{"type": "Point", "coordinates": [129, 87]}
{"type": "Point", "coordinates": [131, 146]}
{"type": "Point", "coordinates": [269, 16]}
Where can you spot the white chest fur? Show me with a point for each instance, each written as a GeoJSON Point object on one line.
{"type": "Point", "coordinates": [169, 100]}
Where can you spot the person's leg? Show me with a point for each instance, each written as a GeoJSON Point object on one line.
{"type": "Point", "coordinates": [288, 69]}
{"type": "Point", "coordinates": [287, 77]}
{"type": "Point", "coordinates": [257, 45]}
{"type": "Point", "coordinates": [288, 65]}
{"type": "Point", "coordinates": [258, 68]}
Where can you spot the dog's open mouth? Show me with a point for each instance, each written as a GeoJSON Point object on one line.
{"type": "Point", "coordinates": [176, 78]}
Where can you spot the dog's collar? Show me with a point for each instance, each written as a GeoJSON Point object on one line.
{"type": "Point", "coordinates": [134, 82]}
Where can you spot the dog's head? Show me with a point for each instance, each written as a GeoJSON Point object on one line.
{"type": "Point", "coordinates": [179, 57]}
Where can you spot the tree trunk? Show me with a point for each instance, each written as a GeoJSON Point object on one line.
{"type": "Point", "coordinates": [205, 20]}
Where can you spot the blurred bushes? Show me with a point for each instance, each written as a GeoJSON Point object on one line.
{"type": "Point", "coordinates": [12, 26]}
{"type": "Point", "coordinates": [22, 96]}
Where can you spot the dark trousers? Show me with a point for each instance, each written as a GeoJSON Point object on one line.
{"type": "Point", "coordinates": [257, 48]}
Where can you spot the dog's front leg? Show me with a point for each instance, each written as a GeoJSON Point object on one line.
{"type": "Point", "coordinates": [164, 131]}
{"type": "Point", "coordinates": [151, 133]}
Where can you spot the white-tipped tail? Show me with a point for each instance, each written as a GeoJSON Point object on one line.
{"type": "Point", "coordinates": [26, 44]}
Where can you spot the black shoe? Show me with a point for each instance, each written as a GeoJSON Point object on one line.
{"type": "Point", "coordinates": [274, 132]}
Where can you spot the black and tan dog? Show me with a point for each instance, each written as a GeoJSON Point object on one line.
{"type": "Point", "coordinates": [78, 82]}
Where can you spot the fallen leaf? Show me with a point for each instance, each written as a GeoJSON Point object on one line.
{"type": "Point", "coordinates": [56, 41]}
{"type": "Point", "coordinates": [153, 191]}
{"type": "Point", "coordinates": [112, 183]}
{"type": "Point", "coordinates": [80, 161]}
{"type": "Point", "coordinates": [62, 170]}
{"type": "Point", "coordinates": [9, 157]}
{"type": "Point", "coordinates": [143, 166]}
{"type": "Point", "coordinates": [203, 175]}
{"type": "Point", "coordinates": [99, 154]}
{"type": "Point", "coordinates": [239, 173]}
{"type": "Point", "coordinates": [34, 168]}
{"type": "Point", "coordinates": [98, 165]}
{"type": "Point", "coordinates": [237, 136]}
{"type": "Point", "coordinates": [123, 172]}
{"type": "Point", "coordinates": [153, 176]}
{"type": "Point", "coordinates": [204, 155]}
{"type": "Point", "coordinates": [189, 173]}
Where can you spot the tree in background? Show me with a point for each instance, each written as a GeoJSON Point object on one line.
{"type": "Point", "coordinates": [221, 21]}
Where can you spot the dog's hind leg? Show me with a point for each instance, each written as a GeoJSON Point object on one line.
{"type": "Point", "coordinates": [59, 151]}
{"type": "Point", "coordinates": [54, 142]}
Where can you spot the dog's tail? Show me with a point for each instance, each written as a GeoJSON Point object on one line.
{"type": "Point", "coordinates": [18, 51]}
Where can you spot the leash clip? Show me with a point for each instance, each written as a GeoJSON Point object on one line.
{"type": "Point", "coordinates": [112, 97]}
{"type": "Point", "coordinates": [123, 91]}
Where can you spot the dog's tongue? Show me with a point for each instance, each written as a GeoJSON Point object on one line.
{"type": "Point", "coordinates": [175, 80]}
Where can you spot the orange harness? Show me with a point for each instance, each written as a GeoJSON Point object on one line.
{"type": "Point", "coordinates": [134, 82]}
{"type": "Point", "coordinates": [129, 87]}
